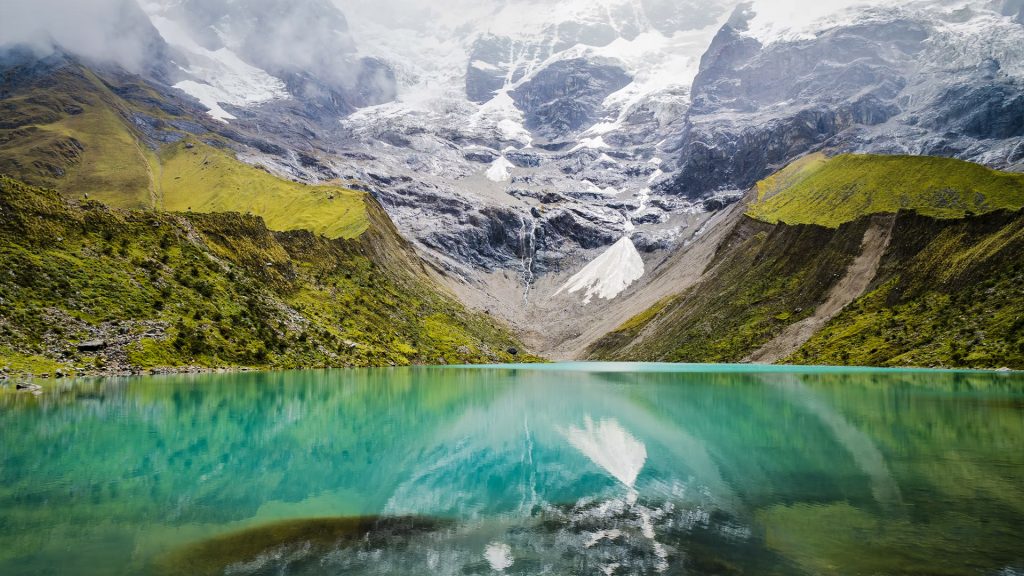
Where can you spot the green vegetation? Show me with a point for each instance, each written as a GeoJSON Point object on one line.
{"type": "Point", "coordinates": [211, 290]}
{"type": "Point", "coordinates": [955, 301]}
{"type": "Point", "coordinates": [74, 133]}
{"type": "Point", "coordinates": [842, 189]}
{"type": "Point", "coordinates": [199, 178]}
{"type": "Point", "coordinates": [946, 293]}
{"type": "Point", "coordinates": [766, 279]}
{"type": "Point", "coordinates": [70, 132]}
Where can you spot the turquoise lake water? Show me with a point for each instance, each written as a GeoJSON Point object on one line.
{"type": "Point", "coordinates": [560, 469]}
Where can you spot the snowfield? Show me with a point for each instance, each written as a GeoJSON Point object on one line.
{"type": "Point", "coordinates": [609, 274]}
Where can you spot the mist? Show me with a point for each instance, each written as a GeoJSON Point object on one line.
{"type": "Point", "coordinates": [115, 31]}
{"type": "Point", "coordinates": [308, 34]}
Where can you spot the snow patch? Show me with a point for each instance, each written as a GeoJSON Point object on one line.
{"type": "Point", "coordinates": [485, 66]}
{"type": "Point", "coordinates": [595, 189]}
{"type": "Point", "coordinates": [596, 143]}
{"type": "Point", "coordinates": [500, 170]}
{"type": "Point", "coordinates": [776, 20]}
{"type": "Point", "coordinates": [219, 76]}
{"type": "Point", "coordinates": [609, 274]}
{"type": "Point", "coordinates": [502, 114]}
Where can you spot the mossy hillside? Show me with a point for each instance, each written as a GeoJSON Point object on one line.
{"type": "Point", "coordinates": [200, 178]}
{"type": "Point", "coordinates": [171, 290]}
{"type": "Point", "coordinates": [847, 187]}
{"type": "Point", "coordinates": [68, 129]}
{"type": "Point", "coordinates": [949, 294]}
{"type": "Point", "coordinates": [763, 279]}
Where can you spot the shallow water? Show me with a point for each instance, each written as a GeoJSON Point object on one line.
{"type": "Point", "coordinates": [563, 469]}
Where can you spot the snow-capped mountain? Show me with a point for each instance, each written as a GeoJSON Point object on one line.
{"type": "Point", "coordinates": [244, 54]}
{"type": "Point", "coordinates": [930, 77]}
{"type": "Point", "coordinates": [550, 156]}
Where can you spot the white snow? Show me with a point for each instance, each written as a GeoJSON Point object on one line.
{"type": "Point", "coordinates": [218, 76]}
{"type": "Point", "coordinates": [595, 189]}
{"type": "Point", "coordinates": [499, 556]}
{"type": "Point", "coordinates": [500, 170]}
{"type": "Point", "coordinates": [485, 66]}
{"type": "Point", "coordinates": [597, 143]}
{"type": "Point", "coordinates": [502, 114]}
{"type": "Point", "coordinates": [608, 274]}
{"type": "Point", "coordinates": [611, 447]}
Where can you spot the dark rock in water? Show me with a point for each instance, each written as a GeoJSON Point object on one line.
{"type": "Point", "coordinates": [28, 387]}
{"type": "Point", "coordinates": [292, 542]}
{"type": "Point", "coordinates": [92, 346]}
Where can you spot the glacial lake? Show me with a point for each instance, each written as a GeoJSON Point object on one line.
{"type": "Point", "coordinates": [571, 469]}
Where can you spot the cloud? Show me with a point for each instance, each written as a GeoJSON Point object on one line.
{"type": "Point", "coordinates": [103, 30]}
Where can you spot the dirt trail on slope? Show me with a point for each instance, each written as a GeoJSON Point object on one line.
{"type": "Point", "coordinates": [858, 277]}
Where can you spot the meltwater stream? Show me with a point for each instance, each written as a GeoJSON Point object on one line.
{"type": "Point", "coordinates": [562, 469]}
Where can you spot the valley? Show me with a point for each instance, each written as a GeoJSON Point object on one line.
{"type": "Point", "coordinates": [697, 182]}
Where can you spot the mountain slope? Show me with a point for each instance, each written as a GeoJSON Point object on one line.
{"type": "Point", "coordinates": [878, 283]}
{"type": "Point", "coordinates": [828, 192]}
{"type": "Point", "coordinates": [116, 139]}
{"type": "Point", "coordinates": [171, 290]}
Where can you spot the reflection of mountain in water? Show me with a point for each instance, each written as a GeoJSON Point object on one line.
{"type": "Point", "coordinates": [571, 470]}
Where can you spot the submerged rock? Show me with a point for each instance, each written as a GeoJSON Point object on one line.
{"type": "Point", "coordinates": [272, 548]}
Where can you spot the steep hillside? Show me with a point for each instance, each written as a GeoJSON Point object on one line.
{"type": "Point", "coordinates": [854, 260]}
{"type": "Point", "coordinates": [63, 128]}
{"type": "Point", "coordinates": [117, 140]}
{"type": "Point", "coordinates": [831, 191]}
{"type": "Point", "coordinates": [86, 288]}
{"type": "Point", "coordinates": [948, 293]}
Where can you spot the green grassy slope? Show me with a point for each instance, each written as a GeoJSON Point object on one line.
{"type": "Point", "coordinates": [954, 299]}
{"type": "Point", "coordinates": [762, 280]}
{"type": "Point", "coordinates": [71, 131]}
{"type": "Point", "coordinates": [209, 290]}
{"type": "Point", "coordinates": [946, 294]}
{"type": "Point", "coordinates": [68, 131]}
{"type": "Point", "coordinates": [200, 178]}
{"type": "Point", "coordinates": [842, 189]}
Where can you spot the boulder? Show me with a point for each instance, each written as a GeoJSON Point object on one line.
{"type": "Point", "coordinates": [91, 346]}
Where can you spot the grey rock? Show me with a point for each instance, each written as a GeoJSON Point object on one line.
{"type": "Point", "coordinates": [91, 346]}
{"type": "Point", "coordinates": [567, 95]}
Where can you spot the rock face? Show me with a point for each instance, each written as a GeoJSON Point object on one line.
{"type": "Point", "coordinates": [567, 95]}
{"type": "Point", "coordinates": [1013, 8]}
{"type": "Point", "coordinates": [522, 138]}
{"type": "Point", "coordinates": [918, 80]}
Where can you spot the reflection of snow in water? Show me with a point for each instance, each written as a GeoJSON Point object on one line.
{"type": "Point", "coordinates": [620, 454]}
{"type": "Point", "coordinates": [499, 556]}
{"type": "Point", "coordinates": [610, 447]}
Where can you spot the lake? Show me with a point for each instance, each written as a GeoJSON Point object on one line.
{"type": "Point", "coordinates": [555, 469]}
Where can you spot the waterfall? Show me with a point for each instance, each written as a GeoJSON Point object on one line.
{"type": "Point", "coordinates": [528, 249]}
